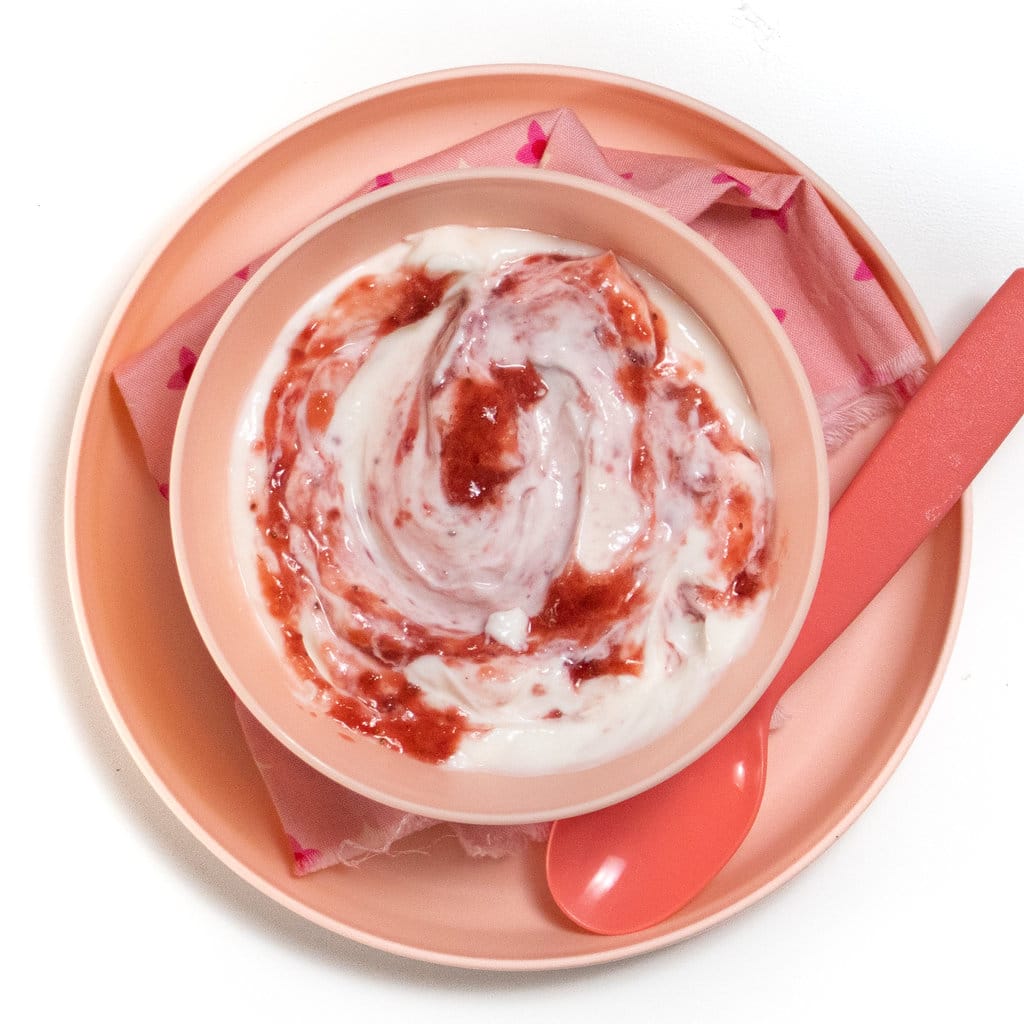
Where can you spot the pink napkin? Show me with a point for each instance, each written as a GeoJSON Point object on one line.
{"type": "Point", "coordinates": [858, 354]}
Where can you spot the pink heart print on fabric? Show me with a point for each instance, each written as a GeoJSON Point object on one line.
{"type": "Point", "coordinates": [779, 216]}
{"type": "Point", "coordinates": [305, 859]}
{"type": "Point", "coordinates": [178, 380]}
{"type": "Point", "coordinates": [721, 178]}
{"type": "Point", "coordinates": [532, 150]}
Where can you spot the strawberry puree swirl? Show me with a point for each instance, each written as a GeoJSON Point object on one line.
{"type": "Point", "coordinates": [505, 502]}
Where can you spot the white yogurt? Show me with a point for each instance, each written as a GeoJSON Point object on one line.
{"type": "Point", "coordinates": [599, 470]}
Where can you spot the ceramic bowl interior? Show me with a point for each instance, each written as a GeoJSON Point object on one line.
{"type": "Point", "coordinates": [226, 614]}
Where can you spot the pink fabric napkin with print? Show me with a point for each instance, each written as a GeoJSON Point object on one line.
{"type": "Point", "coordinates": [859, 357]}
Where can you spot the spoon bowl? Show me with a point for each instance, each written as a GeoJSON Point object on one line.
{"type": "Point", "coordinates": [599, 886]}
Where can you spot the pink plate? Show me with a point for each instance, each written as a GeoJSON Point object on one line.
{"type": "Point", "coordinates": [850, 719]}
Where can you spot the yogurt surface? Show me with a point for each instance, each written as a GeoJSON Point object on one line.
{"type": "Point", "coordinates": [504, 502]}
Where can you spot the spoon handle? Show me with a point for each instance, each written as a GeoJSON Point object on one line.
{"type": "Point", "coordinates": [966, 407]}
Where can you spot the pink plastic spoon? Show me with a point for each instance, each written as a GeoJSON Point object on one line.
{"type": "Point", "coordinates": [630, 866]}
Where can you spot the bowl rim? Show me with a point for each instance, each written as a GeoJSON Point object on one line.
{"type": "Point", "coordinates": [383, 195]}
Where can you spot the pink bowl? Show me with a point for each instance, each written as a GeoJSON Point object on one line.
{"type": "Point", "coordinates": [556, 204]}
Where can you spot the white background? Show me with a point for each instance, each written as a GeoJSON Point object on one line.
{"type": "Point", "coordinates": [115, 115]}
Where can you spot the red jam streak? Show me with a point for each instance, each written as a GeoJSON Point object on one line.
{"type": "Point", "coordinates": [585, 605]}
{"type": "Point", "coordinates": [480, 447]}
{"type": "Point", "coordinates": [386, 706]}
{"type": "Point", "coordinates": [623, 661]}
{"type": "Point", "coordinates": [693, 401]}
{"type": "Point", "coordinates": [479, 454]}
{"type": "Point", "coordinates": [382, 704]}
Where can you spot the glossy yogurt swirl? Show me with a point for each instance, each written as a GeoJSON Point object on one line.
{"type": "Point", "coordinates": [504, 501]}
